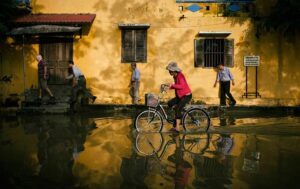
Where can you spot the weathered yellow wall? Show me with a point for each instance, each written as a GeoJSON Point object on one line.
{"type": "Point", "coordinates": [98, 54]}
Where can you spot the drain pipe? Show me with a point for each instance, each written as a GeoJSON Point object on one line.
{"type": "Point", "coordinates": [24, 71]}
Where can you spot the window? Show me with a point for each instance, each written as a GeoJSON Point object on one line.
{"type": "Point", "coordinates": [210, 52]}
{"type": "Point", "coordinates": [134, 45]}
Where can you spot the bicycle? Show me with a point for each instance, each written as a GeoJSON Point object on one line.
{"type": "Point", "coordinates": [195, 118]}
{"type": "Point", "coordinates": [154, 147]}
{"type": "Point", "coordinates": [148, 144]}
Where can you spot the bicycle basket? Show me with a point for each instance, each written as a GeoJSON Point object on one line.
{"type": "Point", "coordinates": [152, 100]}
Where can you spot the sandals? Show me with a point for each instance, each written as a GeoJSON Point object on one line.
{"type": "Point", "coordinates": [173, 130]}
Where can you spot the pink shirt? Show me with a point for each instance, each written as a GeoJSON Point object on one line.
{"type": "Point", "coordinates": [181, 87]}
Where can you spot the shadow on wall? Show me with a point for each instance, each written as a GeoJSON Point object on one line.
{"type": "Point", "coordinates": [277, 74]}
{"type": "Point", "coordinates": [13, 64]}
{"type": "Point", "coordinates": [155, 12]}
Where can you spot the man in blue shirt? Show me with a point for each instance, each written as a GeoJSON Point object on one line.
{"type": "Point", "coordinates": [135, 84]}
{"type": "Point", "coordinates": [224, 76]}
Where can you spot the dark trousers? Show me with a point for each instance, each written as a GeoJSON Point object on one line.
{"type": "Point", "coordinates": [180, 103]}
{"type": "Point", "coordinates": [225, 90]}
{"type": "Point", "coordinates": [81, 86]}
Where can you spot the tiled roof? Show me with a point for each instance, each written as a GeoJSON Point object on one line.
{"type": "Point", "coordinates": [56, 19]}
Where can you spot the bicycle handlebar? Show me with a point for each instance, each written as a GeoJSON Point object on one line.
{"type": "Point", "coordinates": [164, 88]}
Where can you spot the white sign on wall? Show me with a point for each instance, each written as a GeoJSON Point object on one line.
{"type": "Point", "coordinates": [251, 60]}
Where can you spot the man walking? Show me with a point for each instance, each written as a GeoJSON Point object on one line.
{"type": "Point", "coordinates": [43, 77]}
{"type": "Point", "coordinates": [224, 77]}
{"type": "Point", "coordinates": [135, 84]}
{"type": "Point", "coordinates": [78, 82]}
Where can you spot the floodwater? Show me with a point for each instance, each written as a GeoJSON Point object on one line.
{"type": "Point", "coordinates": [64, 152]}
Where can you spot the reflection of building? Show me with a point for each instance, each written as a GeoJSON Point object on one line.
{"type": "Point", "coordinates": [215, 172]}
{"type": "Point", "coordinates": [211, 173]}
{"type": "Point", "coordinates": [134, 171]}
{"type": "Point", "coordinates": [39, 151]}
{"type": "Point", "coordinates": [197, 35]}
{"type": "Point", "coordinates": [60, 141]}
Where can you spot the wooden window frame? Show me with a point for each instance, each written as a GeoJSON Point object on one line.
{"type": "Point", "coordinates": [138, 54]}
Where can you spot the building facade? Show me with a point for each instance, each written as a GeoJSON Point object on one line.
{"type": "Point", "coordinates": [104, 37]}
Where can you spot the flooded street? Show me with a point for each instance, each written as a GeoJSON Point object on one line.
{"type": "Point", "coordinates": [106, 152]}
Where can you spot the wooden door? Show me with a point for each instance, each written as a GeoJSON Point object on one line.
{"type": "Point", "coordinates": [56, 53]}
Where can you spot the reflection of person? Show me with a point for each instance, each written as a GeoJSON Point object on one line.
{"type": "Point", "coordinates": [216, 171]}
{"type": "Point", "coordinates": [224, 77]}
{"type": "Point", "coordinates": [78, 82]}
{"type": "Point", "coordinates": [223, 145]}
{"type": "Point", "coordinates": [43, 77]}
{"type": "Point", "coordinates": [135, 84]}
{"type": "Point", "coordinates": [183, 167]}
{"type": "Point", "coordinates": [182, 91]}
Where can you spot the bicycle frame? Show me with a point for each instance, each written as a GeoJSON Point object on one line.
{"type": "Point", "coordinates": [160, 109]}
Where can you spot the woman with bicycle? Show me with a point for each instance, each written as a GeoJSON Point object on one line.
{"type": "Point", "coordinates": [183, 94]}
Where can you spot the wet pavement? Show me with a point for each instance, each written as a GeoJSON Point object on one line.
{"type": "Point", "coordinates": [105, 152]}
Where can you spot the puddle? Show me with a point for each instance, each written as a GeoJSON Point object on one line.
{"type": "Point", "coordinates": [92, 153]}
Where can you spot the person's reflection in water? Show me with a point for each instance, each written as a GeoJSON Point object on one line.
{"type": "Point", "coordinates": [182, 167]}
{"type": "Point", "coordinates": [216, 172]}
{"type": "Point", "coordinates": [58, 145]}
{"type": "Point", "coordinates": [223, 146]}
{"type": "Point", "coordinates": [227, 120]}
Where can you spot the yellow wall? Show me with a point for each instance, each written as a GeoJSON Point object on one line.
{"type": "Point", "coordinates": [98, 54]}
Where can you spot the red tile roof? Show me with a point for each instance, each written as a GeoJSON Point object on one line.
{"type": "Point", "coordinates": [56, 19]}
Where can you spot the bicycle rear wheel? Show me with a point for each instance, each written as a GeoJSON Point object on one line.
{"type": "Point", "coordinates": [196, 120]}
{"type": "Point", "coordinates": [148, 121]}
{"type": "Point", "coordinates": [148, 143]}
{"type": "Point", "coordinates": [196, 144]}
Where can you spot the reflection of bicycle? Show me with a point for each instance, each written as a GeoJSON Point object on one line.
{"type": "Point", "coordinates": [195, 117]}
{"type": "Point", "coordinates": [149, 144]}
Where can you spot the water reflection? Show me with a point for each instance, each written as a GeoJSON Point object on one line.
{"type": "Point", "coordinates": [92, 153]}
{"type": "Point", "coordinates": [51, 143]}
{"type": "Point", "coordinates": [209, 156]}
{"type": "Point", "coordinates": [214, 170]}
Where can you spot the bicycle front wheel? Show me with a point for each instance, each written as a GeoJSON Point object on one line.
{"type": "Point", "coordinates": [149, 121]}
{"type": "Point", "coordinates": [196, 120]}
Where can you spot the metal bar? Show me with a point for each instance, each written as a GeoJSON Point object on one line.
{"type": "Point", "coordinates": [24, 67]}
{"type": "Point", "coordinates": [256, 81]}
{"type": "Point", "coordinates": [246, 81]}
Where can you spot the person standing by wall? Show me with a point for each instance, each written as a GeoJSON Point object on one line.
{"type": "Point", "coordinates": [43, 76]}
{"type": "Point", "coordinates": [135, 84]}
{"type": "Point", "coordinates": [224, 77]}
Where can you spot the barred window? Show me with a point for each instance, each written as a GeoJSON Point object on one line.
{"type": "Point", "coordinates": [212, 52]}
{"type": "Point", "coordinates": [134, 45]}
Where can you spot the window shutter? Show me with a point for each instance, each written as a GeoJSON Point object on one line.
{"type": "Point", "coordinates": [141, 45]}
{"type": "Point", "coordinates": [199, 52]}
{"type": "Point", "coordinates": [229, 52]}
{"type": "Point", "coordinates": [127, 45]}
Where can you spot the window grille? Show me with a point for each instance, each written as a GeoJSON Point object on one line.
{"type": "Point", "coordinates": [211, 52]}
